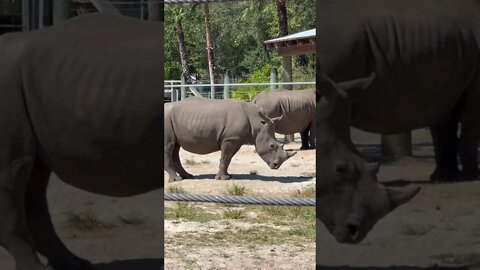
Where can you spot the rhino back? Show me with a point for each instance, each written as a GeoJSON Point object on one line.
{"type": "Point", "coordinates": [94, 93]}
{"type": "Point", "coordinates": [425, 55]}
{"type": "Point", "coordinates": [201, 125]}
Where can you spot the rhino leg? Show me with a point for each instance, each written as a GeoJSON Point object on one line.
{"type": "Point", "coordinates": [308, 138]}
{"type": "Point", "coordinates": [43, 233]}
{"type": "Point", "coordinates": [168, 161]}
{"type": "Point", "coordinates": [228, 150]}
{"type": "Point", "coordinates": [445, 142]}
{"type": "Point", "coordinates": [312, 138]}
{"type": "Point", "coordinates": [468, 147]}
{"type": "Point", "coordinates": [14, 234]}
{"type": "Point", "coordinates": [178, 165]}
{"type": "Point", "coordinates": [304, 137]}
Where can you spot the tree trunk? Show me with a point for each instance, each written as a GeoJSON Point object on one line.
{"type": "Point", "coordinates": [155, 10]}
{"type": "Point", "coordinates": [183, 51]}
{"type": "Point", "coordinates": [282, 17]}
{"type": "Point", "coordinates": [211, 57]}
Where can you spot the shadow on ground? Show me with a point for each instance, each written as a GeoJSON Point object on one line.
{"type": "Point", "coordinates": [281, 179]}
{"type": "Point", "coordinates": [135, 264]}
{"type": "Point", "coordinates": [320, 267]}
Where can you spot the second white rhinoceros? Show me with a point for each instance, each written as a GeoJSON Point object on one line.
{"type": "Point", "coordinates": [203, 126]}
{"type": "Point", "coordinates": [297, 108]}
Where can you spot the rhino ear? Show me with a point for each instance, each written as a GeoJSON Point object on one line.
{"type": "Point", "coordinates": [356, 87]}
{"type": "Point", "coordinates": [401, 195]}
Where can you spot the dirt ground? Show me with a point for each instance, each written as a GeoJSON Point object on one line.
{"type": "Point", "coordinates": [248, 171]}
{"type": "Point", "coordinates": [440, 226]}
{"type": "Point", "coordinates": [115, 234]}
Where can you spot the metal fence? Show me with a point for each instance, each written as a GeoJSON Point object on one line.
{"type": "Point", "coordinates": [175, 91]}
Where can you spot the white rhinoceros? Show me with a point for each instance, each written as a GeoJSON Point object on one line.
{"type": "Point", "coordinates": [202, 126]}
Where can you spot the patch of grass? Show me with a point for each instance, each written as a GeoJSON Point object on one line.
{"type": "Point", "coordinates": [234, 214]}
{"type": "Point", "coordinates": [176, 189]}
{"type": "Point", "coordinates": [131, 219]}
{"type": "Point", "coordinates": [416, 230]}
{"type": "Point", "coordinates": [252, 237]}
{"type": "Point", "coordinates": [236, 190]}
{"type": "Point", "coordinates": [472, 259]}
{"type": "Point", "coordinates": [188, 212]}
{"type": "Point", "coordinates": [191, 162]}
{"type": "Point", "coordinates": [87, 221]}
{"type": "Point", "coordinates": [307, 192]}
{"type": "Point", "coordinates": [253, 172]}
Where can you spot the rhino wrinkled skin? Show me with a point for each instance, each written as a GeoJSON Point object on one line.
{"type": "Point", "coordinates": [202, 126]}
{"type": "Point", "coordinates": [82, 99]}
{"type": "Point", "coordinates": [297, 108]}
{"type": "Point", "coordinates": [424, 56]}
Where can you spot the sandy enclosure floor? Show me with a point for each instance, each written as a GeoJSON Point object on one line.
{"type": "Point", "coordinates": [441, 226]}
{"type": "Point", "coordinates": [249, 171]}
{"type": "Point", "coordinates": [100, 235]}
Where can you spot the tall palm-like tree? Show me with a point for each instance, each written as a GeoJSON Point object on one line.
{"type": "Point", "coordinates": [210, 50]}
{"type": "Point", "coordinates": [179, 14]}
{"type": "Point", "coordinates": [282, 17]}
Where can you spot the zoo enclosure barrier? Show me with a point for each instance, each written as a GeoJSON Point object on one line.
{"type": "Point", "coordinates": [240, 199]}
{"type": "Point", "coordinates": [175, 90]}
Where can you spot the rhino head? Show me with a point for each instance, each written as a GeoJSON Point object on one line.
{"type": "Point", "coordinates": [349, 199]}
{"type": "Point", "coordinates": [267, 146]}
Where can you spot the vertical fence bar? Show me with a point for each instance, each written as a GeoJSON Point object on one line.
{"type": "Point", "coordinates": [183, 89]}
{"type": "Point", "coordinates": [226, 88]}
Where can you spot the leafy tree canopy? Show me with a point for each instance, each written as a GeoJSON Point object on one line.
{"type": "Point", "coordinates": [239, 30]}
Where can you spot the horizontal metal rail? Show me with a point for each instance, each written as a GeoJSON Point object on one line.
{"type": "Point", "coordinates": [239, 199]}
{"type": "Point", "coordinates": [239, 84]}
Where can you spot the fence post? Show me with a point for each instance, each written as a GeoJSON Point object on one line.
{"type": "Point", "coordinates": [273, 79]}
{"type": "Point", "coordinates": [226, 88]}
{"type": "Point", "coordinates": [183, 89]}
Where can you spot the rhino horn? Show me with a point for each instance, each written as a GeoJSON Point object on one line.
{"type": "Point", "coordinates": [354, 88]}
{"type": "Point", "coordinates": [401, 195]}
{"type": "Point", "coordinates": [328, 88]}
{"type": "Point", "coordinates": [277, 119]}
{"type": "Point", "coordinates": [290, 153]}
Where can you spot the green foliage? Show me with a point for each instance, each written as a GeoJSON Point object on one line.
{"type": "Point", "coordinates": [239, 30]}
{"type": "Point", "coordinates": [236, 190]}
{"type": "Point", "coordinates": [260, 75]}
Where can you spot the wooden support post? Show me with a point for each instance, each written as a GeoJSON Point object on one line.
{"type": "Point", "coordinates": [397, 145]}
{"type": "Point", "coordinates": [183, 89]}
{"type": "Point", "coordinates": [61, 11]}
{"type": "Point", "coordinates": [273, 79]}
{"type": "Point", "coordinates": [226, 88]}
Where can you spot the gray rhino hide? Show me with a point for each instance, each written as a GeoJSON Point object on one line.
{"type": "Point", "coordinates": [425, 55]}
{"type": "Point", "coordinates": [82, 99]}
{"type": "Point", "coordinates": [203, 126]}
